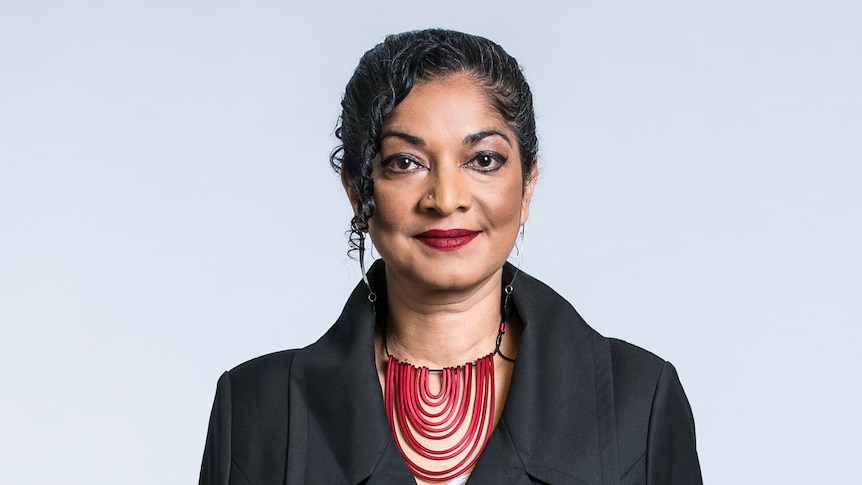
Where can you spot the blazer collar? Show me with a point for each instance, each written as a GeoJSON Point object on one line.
{"type": "Point", "coordinates": [349, 435]}
{"type": "Point", "coordinates": [551, 410]}
{"type": "Point", "coordinates": [552, 397]}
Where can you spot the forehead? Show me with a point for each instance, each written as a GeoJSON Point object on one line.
{"type": "Point", "coordinates": [457, 101]}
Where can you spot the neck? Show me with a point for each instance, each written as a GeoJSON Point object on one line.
{"type": "Point", "coordinates": [439, 328]}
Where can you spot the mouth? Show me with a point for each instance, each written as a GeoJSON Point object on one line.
{"type": "Point", "coordinates": [446, 240]}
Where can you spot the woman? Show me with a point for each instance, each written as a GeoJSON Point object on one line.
{"type": "Point", "coordinates": [438, 159]}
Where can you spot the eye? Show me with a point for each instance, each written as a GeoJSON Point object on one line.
{"type": "Point", "coordinates": [486, 162]}
{"type": "Point", "coordinates": [402, 164]}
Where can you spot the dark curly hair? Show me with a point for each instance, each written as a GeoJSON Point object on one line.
{"type": "Point", "coordinates": [384, 77]}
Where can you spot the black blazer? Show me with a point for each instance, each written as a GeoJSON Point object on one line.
{"type": "Point", "coordinates": [582, 409]}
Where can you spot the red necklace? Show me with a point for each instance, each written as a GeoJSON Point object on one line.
{"type": "Point", "coordinates": [461, 410]}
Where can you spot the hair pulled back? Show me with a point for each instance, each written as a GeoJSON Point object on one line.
{"type": "Point", "coordinates": [384, 77]}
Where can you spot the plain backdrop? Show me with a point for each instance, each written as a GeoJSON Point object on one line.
{"type": "Point", "coordinates": [167, 211]}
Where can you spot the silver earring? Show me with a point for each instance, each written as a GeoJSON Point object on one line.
{"type": "Point", "coordinates": [372, 297]}
{"type": "Point", "coordinates": [358, 242]}
{"type": "Point", "coordinates": [519, 246]}
{"type": "Point", "coordinates": [519, 250]}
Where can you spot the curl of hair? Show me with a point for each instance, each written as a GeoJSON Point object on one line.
{"type": "Point", "coordinates": [384, 77]}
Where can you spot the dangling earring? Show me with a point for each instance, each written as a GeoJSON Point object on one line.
{"type": "Point", "coordinates": [357, 240]}
{"type": "Point", "coordinates": [519, 246]}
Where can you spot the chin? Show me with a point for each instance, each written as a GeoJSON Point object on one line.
{"type": "Point", "coordinates": [455, 277]}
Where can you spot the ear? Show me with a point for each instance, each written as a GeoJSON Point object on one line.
{"type": "Point", "coordinates": [351, 192]}
{"type": "Point", "coordinates": [529, 185]}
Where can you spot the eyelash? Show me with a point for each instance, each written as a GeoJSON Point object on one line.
{"type": "Point", "coordinates": [494, 157]}
{"type": "Point", "coordinates": [387, 164]}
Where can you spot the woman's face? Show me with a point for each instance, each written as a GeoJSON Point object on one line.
{"type": "Point", "coordinates": [449, 187]}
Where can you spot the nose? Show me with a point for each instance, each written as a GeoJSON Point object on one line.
{"type": "Point", "coordinates": [449, 191]}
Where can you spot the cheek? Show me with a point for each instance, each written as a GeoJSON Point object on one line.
{"type": "Point", "coordinates": [507, 204]}
{"type": "Point", "coordinates": [389, 210]}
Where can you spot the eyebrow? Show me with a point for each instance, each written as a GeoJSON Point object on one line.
{"type": "Point", "coordinates": [468, 140]}
{"type": "Point", "coordinates": [476, 137]}
{"type": "Point", "coordinates": [411, 139]}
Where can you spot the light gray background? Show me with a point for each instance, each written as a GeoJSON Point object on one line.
{"type": "Point", "coordinates": [167, 212]}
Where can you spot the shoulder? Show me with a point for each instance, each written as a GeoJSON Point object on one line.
{"type": "Point", "coordinates": [634, 366]}
{"type": "Point", "coordinates": [249, 420]}
{"type": "Point", "coordinates": [655, 426]}
{"type": "Point", "coordinates": [259, 386]}
{"type": "Point", "coordinates": [638, 376]}
{"type": "Point", "coordinates": [265, 367]}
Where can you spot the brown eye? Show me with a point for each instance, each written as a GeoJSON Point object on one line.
{"type": "Point", "coordinates": [402, 164]}
{"type": "Point", "coordinates": [486, 162]}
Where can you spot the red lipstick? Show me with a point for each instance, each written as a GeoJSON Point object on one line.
{"type": "Point", "coordinates": [446, 240]}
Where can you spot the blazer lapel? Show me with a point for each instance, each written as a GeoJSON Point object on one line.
{"type": "Point", "coordinates": [348, 434]}
{"type": "Point", "coordinates": [500, 461]}
{"type": "Point", "coordinates": [552, 410]}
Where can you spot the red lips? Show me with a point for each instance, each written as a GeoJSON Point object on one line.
{"type": "Point", "coordinates": [446, 240]}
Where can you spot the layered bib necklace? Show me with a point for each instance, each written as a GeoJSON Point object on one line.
{"type": "Point", "coordinates": [450, 425]}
